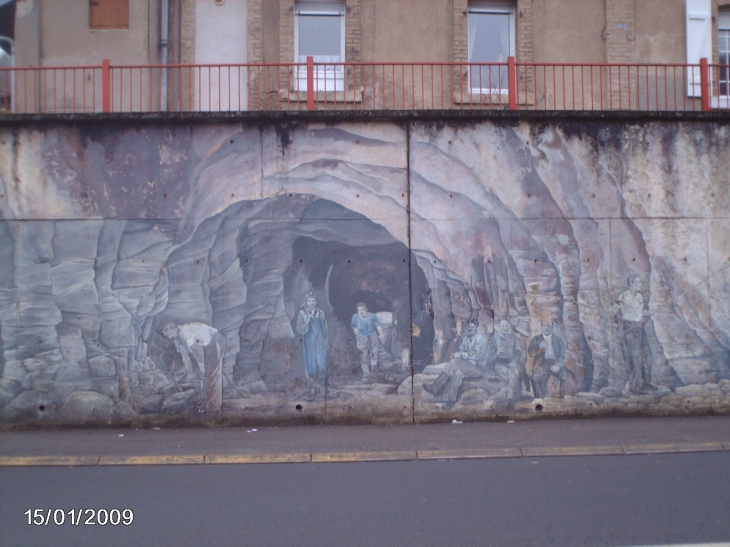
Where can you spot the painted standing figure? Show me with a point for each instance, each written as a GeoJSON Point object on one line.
{"type": "Point", "coordinates": [312, 325]}
{"type": "Point", "coordinates": [367, 329]}
{"type": "Point", "coordinates": [469, 362]}
{"type": "Point", "coordinates": [548, 352]}
{"type": "Point", "coordinates": [636, 345]}
{"type": "Point", "coordinates": [507, 359]}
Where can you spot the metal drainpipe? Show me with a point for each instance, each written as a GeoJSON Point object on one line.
{"type": "Point", "coordinates": [12, 70]}
{"type": "Point", "coordinates": [165, 45]}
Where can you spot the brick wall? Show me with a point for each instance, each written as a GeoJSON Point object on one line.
{"type": "Point", "coordinates": [187, 31]}
{"type": "Point", "coordinates": [461, 31]}
{"type": "Point", "coordinates": [620, 48]}
{"type": "Point", "coordinates": [524, 42]}
{"type": "Point", "coordinates": [286, 31]}
{"type": "Point", "coordinates": [255, 31]}
{"type": "Point", "coordinates": [525, 29]}
{"type": "Point", "coordinates": [186, 82]}
{"type": "Point", "coordinates": [353, 31]}
{"type": "Point", "coordinates": [717, 5]}
{"type": "Point", "coordinates": [620, 31]}
{"type": "Point", "coordinates": [461, 42]}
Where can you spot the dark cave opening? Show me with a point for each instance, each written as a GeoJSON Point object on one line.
{"type": "Point", "coordinates": [343, 275]}
{"type": "Point", "coordinates": [315, 245]}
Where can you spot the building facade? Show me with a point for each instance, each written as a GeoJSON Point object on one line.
{"type": "Point", "coordinates": [429, 35]}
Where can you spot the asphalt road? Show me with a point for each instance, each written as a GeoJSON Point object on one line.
{"type": "Point", "coordinates": [542, 501]}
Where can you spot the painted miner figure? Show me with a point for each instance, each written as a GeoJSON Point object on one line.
{"type": "Point", "coordinates": [507, 359]}
{"type": "Point", "coordinates": [312, 325]}
{"type": "Point", "coordinates": [469, 362]}
{"type": "Point", "coordinates": [636, 345]}
{"type": "Point", "coordinates": [203, 344]}
{"type": "Point", "coordinates": [367, 329]}
{"type": "Point", "coordinates": [547, 351]}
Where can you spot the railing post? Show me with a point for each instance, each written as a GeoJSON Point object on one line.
{"type": "Point", "coordinates": [705, 88]}
{"type": "Point", "coordinates": [512, 82]}
{"type": "Point", "coordinates": [310, 83]}
{"type": "Point", "coordinates": [106, 86]}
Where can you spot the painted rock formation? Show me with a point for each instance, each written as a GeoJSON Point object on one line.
{"type": "Point", "coordinates": [160, 270]}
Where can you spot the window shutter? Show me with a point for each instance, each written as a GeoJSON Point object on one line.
{"type": "Point", "coordinates": [699, 41]}
{"type": "Point", "coordinates": [109, 14]}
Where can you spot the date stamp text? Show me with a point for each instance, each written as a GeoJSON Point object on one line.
{"type": "Point", "coordinates": [79, 517]}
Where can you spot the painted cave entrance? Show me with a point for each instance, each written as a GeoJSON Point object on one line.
{"type": "Point", "coordinates": [301, 244]}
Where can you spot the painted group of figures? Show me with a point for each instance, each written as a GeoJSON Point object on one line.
{"type": "Point", "coordinates": [502, 358]}
{"type": "Point", "coordinates": [312, 325]}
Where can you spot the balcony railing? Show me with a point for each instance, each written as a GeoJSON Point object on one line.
{"type": "Point", "coordinates": [365, 86]}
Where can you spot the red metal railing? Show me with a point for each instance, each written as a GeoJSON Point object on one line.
{"type": "Point", "coordinates": [365, 86]}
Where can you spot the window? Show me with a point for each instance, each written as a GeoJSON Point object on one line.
{"type": "Point", "coordinates": [724, 50]}
{"type": "Point", "coordinates": [320, 33]}
{"type": "Point", "coordinates": [109, 14]}
{"type": "Point", "coordinates": [491, 40]}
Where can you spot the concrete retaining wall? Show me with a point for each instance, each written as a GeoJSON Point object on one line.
{"type": "Point", "coordinates": [175, 269]}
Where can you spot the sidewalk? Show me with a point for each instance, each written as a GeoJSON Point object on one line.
{"type": "Point", "coordinates": [365, 443]}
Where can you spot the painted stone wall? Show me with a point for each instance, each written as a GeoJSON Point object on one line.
{"type": "Point", "coordinates": [216, 270]}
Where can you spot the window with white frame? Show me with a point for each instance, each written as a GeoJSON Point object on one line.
{"type": "Point", "coordinates": [491, 40]}
{"type": "Point", "coordinates": [723, 24]}
{"type": "Point", "coordinates": [319, 32]}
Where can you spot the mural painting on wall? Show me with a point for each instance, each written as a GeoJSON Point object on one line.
{"type": "Point", "coordinates": [326, 273]}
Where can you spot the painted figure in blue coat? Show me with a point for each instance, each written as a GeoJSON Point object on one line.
{"type": "Point", "coordinates": [312, 325]}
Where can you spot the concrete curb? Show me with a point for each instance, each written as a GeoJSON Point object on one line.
{"type": "Point", "coordinates": [574, 451]}
{"type": "Point", "coordinates": [379, 456]}
{"type": "Point", "coordinates": [257, 458]}
{"type": "Point", "coordinates": [673, 448]}
{"type": "Point", "coordinates": [374, 456]}
{"type": "Point", "coordinates": [469, 453]}
{"type": "Point", "coordinates": [151, 460]}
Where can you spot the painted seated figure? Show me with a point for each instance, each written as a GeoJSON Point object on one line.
{"type": "Point", "coordinates": [548, 353]}
{"type": "Point", "coordinates": [507, 359]}
{"type": "Point", "coordinates": [469, 362]}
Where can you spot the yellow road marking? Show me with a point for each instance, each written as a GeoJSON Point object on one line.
{"type": "Point", "coordinates": [469, 453]}
{"type": "Point", "coordinates": [36, 461]}
{"type": "Point", "coordinates": [151, 460]}
{"type": "Point", "coordinates": [572, 451]}
{"type": "Point", "coordinates": [365, 456]}
{"type": "Point", "coordinates": [386, 455]}
{"type": "Point", "coordinates": [258, 458]}
{"type": "Point", "coordinates": [672, 448]}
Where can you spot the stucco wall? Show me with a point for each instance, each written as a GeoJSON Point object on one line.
{"type": "Point", "coordinates": [569, 32]}
{"type": "Point", "coordinates": [660, 36]}
{"type": "Point", "coordinates": [57, 33]}
{"type": "Point", "coordinates": [163, 270]}
{"type": "Point", "coordinates": [220, 38]}
{"type": "Point", "coordinates": [408, 31]}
